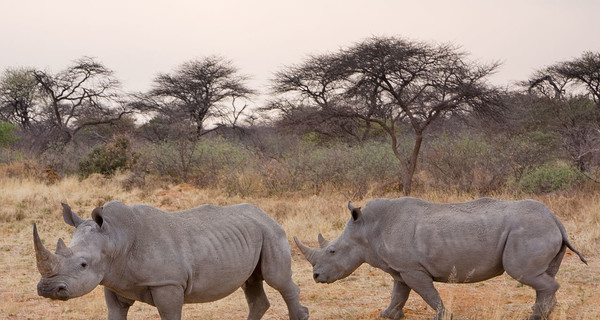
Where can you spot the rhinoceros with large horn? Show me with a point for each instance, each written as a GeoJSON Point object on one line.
{"type": "Point", "coordinates": [419, 242]}
{"type": "Point", "coordinates": [139, 253]}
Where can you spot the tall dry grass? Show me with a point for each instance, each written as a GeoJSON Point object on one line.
{"type": "Point", "coordinates": [25, 200]}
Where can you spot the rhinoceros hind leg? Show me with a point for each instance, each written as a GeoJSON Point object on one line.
{"type": "Point", "coordinates": [545, 295]}
{"type": "Point", "coordinates": [258, 303]}
{"type": "Point", "coordinates": [555, 263]}
{"type": "Point", "coordinates": [276, 269]}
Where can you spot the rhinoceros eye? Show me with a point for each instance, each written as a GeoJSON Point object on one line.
{"type": "Point", "coordinates": [331, 250]}
{"type": "Point", "coordinates": [84, 265]}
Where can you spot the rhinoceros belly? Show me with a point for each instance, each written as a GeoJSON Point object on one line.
{"type": "Point", "coordinates": [468, 251]}
{"type": "Point", "coordinates": [223, 261]}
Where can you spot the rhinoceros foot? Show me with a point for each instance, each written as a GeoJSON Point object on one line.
{"type": "Point", "coordinates": [303, 313]}
{"type": "Point", "coordinates": [391, 313]}
{"type": "Point", "coordinates": [444, 315]}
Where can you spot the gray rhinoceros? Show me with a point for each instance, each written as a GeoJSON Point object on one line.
{"type": "Point", "coordinates": [139, 253]}
{"type": "Point", "coordinates": [419, 242]}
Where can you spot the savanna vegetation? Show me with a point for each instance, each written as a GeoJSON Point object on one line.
{"type": "Point", "coordinates": [383, 114]}
{"type": "Point", "coordinates": [383, 117]}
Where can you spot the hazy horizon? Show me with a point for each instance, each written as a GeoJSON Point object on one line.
{"type": "Point", "coordinates": [138, 39]}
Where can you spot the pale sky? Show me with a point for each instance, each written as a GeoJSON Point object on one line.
{"type": "Point", "coordinates": [140, 38]}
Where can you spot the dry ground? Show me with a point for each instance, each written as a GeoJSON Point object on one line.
{"type": "Point", "coordinates": [361, 296]}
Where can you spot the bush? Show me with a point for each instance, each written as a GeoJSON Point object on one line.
{"type": "Point", "coordinates": [295, 165]}
{"type": "Point", "coordinates": [204, 163]}
{"type": "Point", "coordinates": [7, 136]}
{"type": "Point", "coordinates": [549, 178]}
{"type": "Point", "coordinates": [109, 158]}
{"type": "Point", "coordinates": [350, 168]}
{"type": "Point", "coordinates": [465, 163]}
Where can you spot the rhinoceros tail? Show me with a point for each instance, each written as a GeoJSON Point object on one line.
{"type": "Point", "coordinates": [568, 244]}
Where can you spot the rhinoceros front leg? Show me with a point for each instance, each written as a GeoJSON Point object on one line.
{"type": "Point", "coordinates": [400, 294]}
{"type": "Point", "coordinates": [117, 306]}
{"type": "Point", "coordinates": [169, 301]}
{"type": "Point", "coordinates": [422, 283]}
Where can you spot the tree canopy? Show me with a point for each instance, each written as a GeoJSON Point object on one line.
{"type": "Point", "coordinates": [82, 95]}
{"type": "Point", "coordinates": [197, 90]}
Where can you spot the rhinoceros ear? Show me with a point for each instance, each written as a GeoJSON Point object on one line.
{"type": "Point", "coordinates": [71, 218]}
{"type": "Point", "coordinates": [356, 213]}
{"type": "Point", "coordinates": [97, 216]}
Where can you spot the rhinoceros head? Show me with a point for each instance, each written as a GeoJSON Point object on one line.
{"type": "Point", "coordinates": [339, 258]}
{"type": "Point", "coordinates": [76, 270]}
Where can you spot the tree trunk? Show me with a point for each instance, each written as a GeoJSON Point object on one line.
{"type": "Point", "coordinates": [412, 165]}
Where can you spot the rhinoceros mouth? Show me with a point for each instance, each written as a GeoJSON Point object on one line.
{"type": "Point", "coordinates": [322, 279]}
{"type": "Point", "coordinates": [53, 291]}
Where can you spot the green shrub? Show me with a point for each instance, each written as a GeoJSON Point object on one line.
{"type": "Point", "coordinates": [209, 162]}
{"type": "Point", "coordinates": [108, 158]}
{"type": "Point", "coordinates": [465, 163]}
{"type": "Point", "coordinates": [338, 165]}
{"type": "Point", "coordinates": [7, 136]}
{"type": "Point", "coordinates": [549, 178]}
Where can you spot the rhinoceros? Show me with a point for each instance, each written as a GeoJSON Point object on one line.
{"type": "Point", "coordinates": [166, 259]}
{"type": "Point", "coordinates": [419, 242]}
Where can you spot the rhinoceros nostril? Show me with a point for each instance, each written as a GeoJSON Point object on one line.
{"type": "Point", "coordinates": [315, 275]}
{"type": "Point", "coordinates": [61, 292]}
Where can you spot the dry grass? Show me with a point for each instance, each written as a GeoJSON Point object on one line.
{"type": "Point", "coordinates": [363, 295]}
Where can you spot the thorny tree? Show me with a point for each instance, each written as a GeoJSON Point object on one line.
{"type": "Point", "coordinates": [83, 95]}
{"type": "Point", "coordinates": [397, 84]}
{"type": "Point", "coordinates": [19, 97]}
{"type": "Point", "coordinates": [416, 83]}
{"type": "Point", "coordinates": [198, 90]}
{"type": "Point", "coordinates": [571, 90]}
{"type": "Point", "coordinates": [309, 94]}
{"type": "Point", "coordinates": [583, 72]}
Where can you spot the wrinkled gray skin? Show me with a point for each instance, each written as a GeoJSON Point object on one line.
{"type": "Point", "coordinates": [139, 253]}
{"type": "Point", "coordinates": [419, 242]}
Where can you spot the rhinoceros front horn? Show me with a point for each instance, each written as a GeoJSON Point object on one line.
{"type": "Point", "coordinates": [306, 250]}
{"type": "Point", "coordinates": [46, 260]}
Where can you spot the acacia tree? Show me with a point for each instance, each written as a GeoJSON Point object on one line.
{"type": "Point", "coordinates": [198, 90]}
{"type": "Point", "coordinates": [19, 97]}
{"type": "Point", "coordinates": [399, 84]}
{"type": "Point", "coordinates": [82, 95]}
{"type": "Point", "coordinates": [309, 95]}
{"type": "Point", "coordinates": [566, 77]}
{"type": "Point", "coordinates": [416, 83]}
{"type": "Point", "coordinates": [570, 90]}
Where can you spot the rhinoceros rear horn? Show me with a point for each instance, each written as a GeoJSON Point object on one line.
{"type": "Point", "coordinates": [322, 241]}
{"type": "Point", "coordinates": [62, 249]}
{"type": "Point", "coordinates": [306, 250]}
{"type": "Point", "coordinates": [46, 260]}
